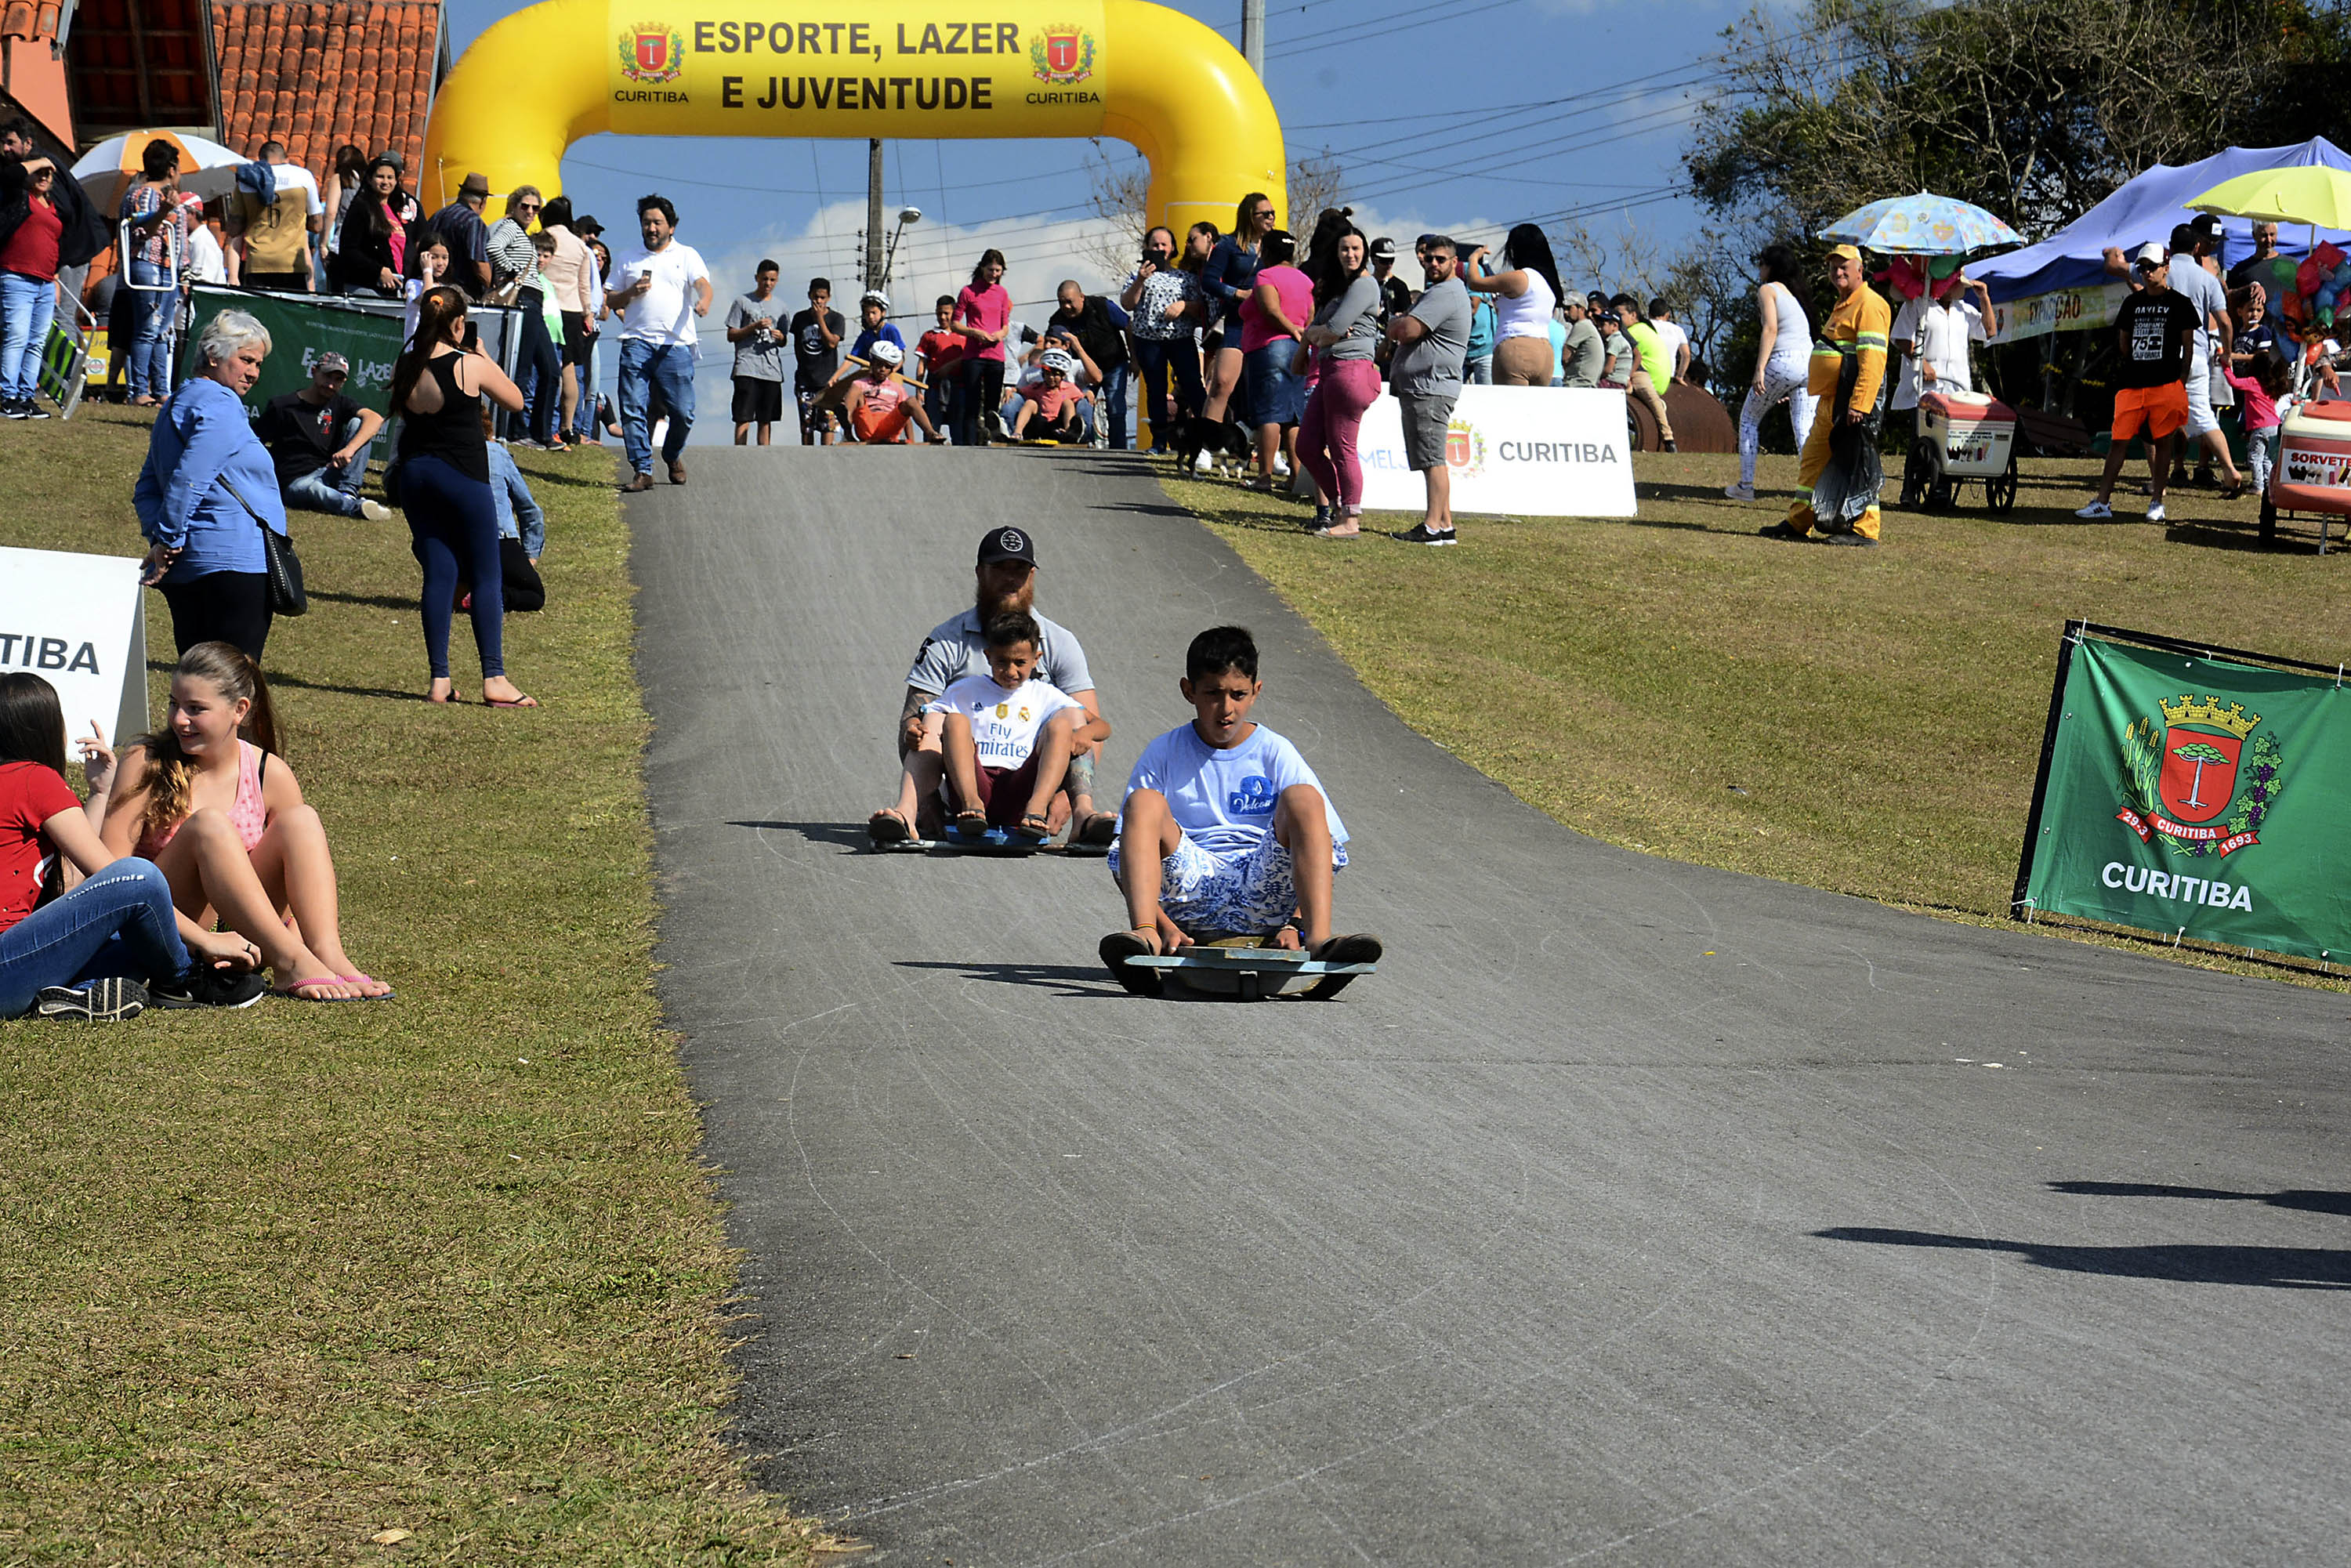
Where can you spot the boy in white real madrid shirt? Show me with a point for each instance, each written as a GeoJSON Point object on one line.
{"type": "Point", "coordinates": [1225, 829]}
{"type": "Point", "coordinates": [1007, 736]}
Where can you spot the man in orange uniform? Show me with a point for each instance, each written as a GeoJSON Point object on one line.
{"type": "Point", "coordinates": [1854, 338]}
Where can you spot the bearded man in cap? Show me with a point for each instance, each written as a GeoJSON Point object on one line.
{"type": "Point", "coordinates": [1005, 579]}
{"type": "Point", "coordinates": [1846, 372]}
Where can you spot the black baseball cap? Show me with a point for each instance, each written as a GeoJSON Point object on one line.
{"type": "Point", "coordinates": [1007, 544]}
{"type": "Point", "coordinates": [1383, 249]}
{"type": "Point", "coordinates": [586, 226]}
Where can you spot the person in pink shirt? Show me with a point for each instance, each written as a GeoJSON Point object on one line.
{"type": "Point", "coordinates": [983, 311]}
{"type": "Point", "coordinates": [2271, 379]}
{"type": "Point", "coordinates": [1274, 315]}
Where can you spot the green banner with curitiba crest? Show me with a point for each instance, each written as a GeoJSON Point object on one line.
{"type": "Point", "coordinates": [2195, 793]}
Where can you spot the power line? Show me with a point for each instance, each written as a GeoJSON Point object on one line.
{"type": "Point", "coordinates": [1379, 27]}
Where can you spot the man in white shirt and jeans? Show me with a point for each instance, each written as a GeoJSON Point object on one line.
{"type": "Point", "coordinates": [658, 292]}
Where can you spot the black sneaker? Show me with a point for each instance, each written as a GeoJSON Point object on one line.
{"type": "Point", "coordinates": [206, 987]}
{"type": "Point", "coordinates": [1779, 530]}
{"type": "Point", "coordinates": [101, 1001]}
{"type": "Point", "coordinates": [1671, 447]}
{"type": "Point", "coordinates": [12, 409]}
{"type": "Point", "coordinates": [1420, 534]}
{"type": "Point", "coordinates": [1862, 540]}
{"type": "Point", "coordinates": [30, 408]}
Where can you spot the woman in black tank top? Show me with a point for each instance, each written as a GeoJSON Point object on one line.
{"type": "Point", "coordinates": [444, 489]}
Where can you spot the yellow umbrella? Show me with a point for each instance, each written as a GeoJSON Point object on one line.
{"type": "Point", "coordinates": [2316, 194]}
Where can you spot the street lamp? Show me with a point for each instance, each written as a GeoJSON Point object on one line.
{"type": "Point", "coordinates": [890, 259]}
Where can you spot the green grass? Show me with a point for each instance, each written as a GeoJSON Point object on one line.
{"type": "Point", "coordinates": [275, 1280]}
{"type": "Point", "coordinates": [1868, 722]}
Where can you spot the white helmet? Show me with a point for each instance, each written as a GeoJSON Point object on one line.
{"type": "Point", "coordinates": [1058, 361]}
{"type": "Point", "coordinates": [885, 352]}
{"type": "Point", "coordinates": [875, 296]}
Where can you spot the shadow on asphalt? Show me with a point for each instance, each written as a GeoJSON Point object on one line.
{"type": "Point", "coordinates": [2279, 1267]}
{"type": "Point", "coordinates": [1061, 980]}
{"type": "Point", "coordinates": [848, 835]}
{"type": "Point", "coordinates": [2314, 1202]}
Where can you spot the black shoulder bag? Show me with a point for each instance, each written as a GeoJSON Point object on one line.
{"type": "Point", "coordinates": [280, 564]}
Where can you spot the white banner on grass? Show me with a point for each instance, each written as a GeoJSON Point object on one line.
{"type": "Point", "coordinates": [1526, 452]}
{"type": "Point", "coordinates": [79, 622]}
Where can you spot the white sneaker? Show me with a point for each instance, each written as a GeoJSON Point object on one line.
{"type": "Point", "coordinates": [2155, 512]}
{"type": "Point", "coordinates": [2094, 510]}
{"type": "Point", "coordinates": [1280, 466]}
{"type": "Point", "coordinates": [375, 511]}
{"type": "Point", "coordinates": [1739, 492]}
{"type": "Point", "coordinates": [1203, 463]}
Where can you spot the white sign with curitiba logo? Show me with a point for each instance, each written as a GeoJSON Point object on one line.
{"type": "Point", "coordinates": [1523, 452]}
{"type": "Point", "coordinates": [79, 622]}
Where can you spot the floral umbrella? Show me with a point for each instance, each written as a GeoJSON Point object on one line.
{"type": "Point", "coordinates": [1923, 224]}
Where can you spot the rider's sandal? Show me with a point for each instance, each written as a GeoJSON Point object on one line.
{"type": "Point", "coordinates": [888, 826]}
{"type": "Point", "coordinates": [971, 822]}
{"type": "Point", "coordinates": [1141, 942]}
{"type": "Point", "coordinates": [1034, 827]}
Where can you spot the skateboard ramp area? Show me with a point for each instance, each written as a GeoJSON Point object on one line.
{"type": "Point", "coordinates": [1633, 1212]}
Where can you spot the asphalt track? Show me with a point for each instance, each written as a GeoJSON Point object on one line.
{"type": "Point", "coordinates": [1633, 1212]}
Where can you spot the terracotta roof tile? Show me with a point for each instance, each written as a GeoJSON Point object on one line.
{"type": "Point", "coordinates": [318, 74]}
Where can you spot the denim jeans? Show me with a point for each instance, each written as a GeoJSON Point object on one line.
{"type": "Point", "coordinates": [152, 312]}
{"type": "Point", "coordinates": [583, 422]}
{"type": "Point", "coordinates": [542, 367]}
{"type": "Point", "coordinates": [1171, 386]}
{"type": "Point", "coordinates": [336, 487]}
{"type": "Point", "coordinates": [1112, 399]}
{"type": "Point", "coordinates": [645, 366]}
{"type": "Point", "coordinates": [117, 923]}
{"type": "Point", "coordinates": [26, 306]}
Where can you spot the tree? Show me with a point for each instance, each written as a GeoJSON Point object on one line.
{"type": "Point", "coordinates": [2200, 754]}
{"type": "Point", "coordinates": [2034, 108]}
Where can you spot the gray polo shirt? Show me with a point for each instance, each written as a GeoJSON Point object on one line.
{"type": "Point", "coordinates": [1430, 365]}
{"type": "Point", "coordinates": [958, 647]}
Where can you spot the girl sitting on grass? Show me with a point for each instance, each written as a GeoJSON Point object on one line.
{"type": "Point", "coordinates": [106, 947]}
{"type": "Point", "coordinates": [222, 816]}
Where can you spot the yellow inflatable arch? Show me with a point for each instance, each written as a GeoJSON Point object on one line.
{"type": "Point", "coordinates": [544, 77]}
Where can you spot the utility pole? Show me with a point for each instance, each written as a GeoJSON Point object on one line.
{"type": "Point", "coordinates": [873, 211]}
{"type": "Point", "coordinates": [1253, 36]}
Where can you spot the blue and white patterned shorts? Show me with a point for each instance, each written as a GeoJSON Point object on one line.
{"type": "Point", "coordinates": [1249, 892]}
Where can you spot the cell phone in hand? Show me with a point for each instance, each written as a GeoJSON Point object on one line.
{"type": "Point", "coordinates": [473, 337]}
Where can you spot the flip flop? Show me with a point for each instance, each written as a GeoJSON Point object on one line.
{"type": "Point", "coordinates": [1034, 827]}
{"type": "Point", "coordinates": [454, 697]}
{"type": "Point", "coordinates": [1119, 947]}
{"type": "Point", "coordinates": [297, 990]}
{"type": "Point", "coordinates": [1363, 948]}
{"type": "Point", "coordinates": [1102, 829]}
{"type": "Point", "coordinates": [517, 702]}
{"type": "Point", "coordinates": [888, 826]}
{"type": "Point", "coordinates": [367, 980]}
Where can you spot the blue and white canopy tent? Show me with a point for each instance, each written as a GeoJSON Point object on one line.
{"type": "Point", "coordinates": [2061, 284]}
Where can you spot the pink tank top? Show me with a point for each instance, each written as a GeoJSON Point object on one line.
{"type": "Point", "coordinates": [247, 815]}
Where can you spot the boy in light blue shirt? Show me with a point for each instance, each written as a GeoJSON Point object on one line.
{"type": "Point", "coordinates": [1225, 828]}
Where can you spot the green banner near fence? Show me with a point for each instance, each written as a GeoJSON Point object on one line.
{"type": "Point", "coordinates": [2195, 794]}
{"type": "Point", "coordinates": [300, 328]}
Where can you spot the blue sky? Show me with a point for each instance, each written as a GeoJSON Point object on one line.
{"type": "Point", "coordinates": [1464, 120]}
